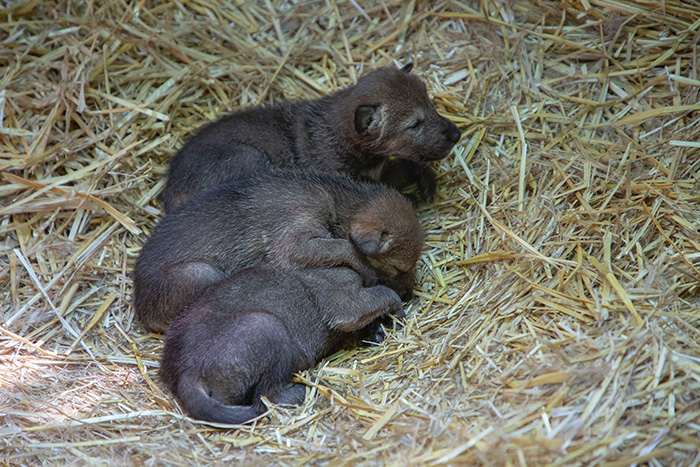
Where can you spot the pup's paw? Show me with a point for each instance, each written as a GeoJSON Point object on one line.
{"type": "Point", "coordinates": [427, 184]}
{"type": "Point", "coordinates": [295, 394]}
{"type": "Point", "coordinates": [369, 277]}
{"type": "Point", "coordinates": [398, 318]}
{"type": "Point", "coordinates": [375, 334]}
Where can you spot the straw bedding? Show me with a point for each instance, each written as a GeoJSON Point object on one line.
{"type": "Point", "coordinates": [556, 318]}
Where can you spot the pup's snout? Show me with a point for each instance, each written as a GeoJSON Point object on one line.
{"type": "Point", "coordinates": [452, 132]}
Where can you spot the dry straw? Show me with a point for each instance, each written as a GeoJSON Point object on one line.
{"type": "Point", "coordinates": [557, 314]}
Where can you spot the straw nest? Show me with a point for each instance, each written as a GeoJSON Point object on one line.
{"type": "Point", "coordinates": [557, 314]}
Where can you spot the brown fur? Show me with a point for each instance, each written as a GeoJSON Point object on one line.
{"type": "Point", "coordinates": [287, 219]}
{"type": "Point", "coordinates": [355, 131]}
{"type": "Point", "coordinates": [246, 336]}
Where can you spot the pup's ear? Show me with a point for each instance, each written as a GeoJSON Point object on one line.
{"type": "Point", "coordinates": [372, 243]}
{"type": "Point", "coordinates": [407, 67]}
{"type": "Point", "coordinates": [365, 117]}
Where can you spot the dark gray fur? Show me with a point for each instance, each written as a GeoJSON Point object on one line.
{"type": "Point", "coordinates": [387, 114]}
{"type": "Point", "coordinates": [287, 219]}
{"type": "Point", "coordinates": [246, 336]}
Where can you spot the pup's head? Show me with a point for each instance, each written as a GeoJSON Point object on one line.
{"type": "Point", "coordinates": [394, 116]}
{"type": "Point", "coordinates": [387, 231]}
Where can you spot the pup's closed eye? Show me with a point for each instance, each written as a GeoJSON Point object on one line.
{"type": "Point", "coordinates": [416, 124]}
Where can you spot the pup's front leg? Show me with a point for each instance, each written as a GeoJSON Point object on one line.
{"type": "Point", "coordinates": [399, 173]}
{"type": "Point", "coordinates": [329, 252]}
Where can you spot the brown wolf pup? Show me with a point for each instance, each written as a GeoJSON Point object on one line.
{"type": "Point", "coordinates": [287, 219]}
{"type": "Point", "coordinates": [355, 131]}
{"type": "Point", "coordinates": [247, 335]}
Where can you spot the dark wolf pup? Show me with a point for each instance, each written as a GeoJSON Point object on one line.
{"type": "Point", "coordinates": [246, 336]}
{"type": "Point", "coordinates": [355, 131]}
{"type": "Point", "coordinates": [286, 219]}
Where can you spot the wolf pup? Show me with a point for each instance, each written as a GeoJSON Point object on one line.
{"type": "Point", "coordinates": [287, 219]}
{"type": "Point", "coordinates": [246, 336]}
{"type": "Point", "coordinates": [355, 131]}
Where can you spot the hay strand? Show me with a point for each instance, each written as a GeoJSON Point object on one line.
{"type": "Point", "coordinates": [556, 319]}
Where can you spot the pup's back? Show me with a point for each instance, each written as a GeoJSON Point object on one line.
{"type": "Point", "coordinates": [245, 337]}
{"type": "Point", "coordinates": [291, 220]}
{"type": "Point", "coordinates": [386, 114]}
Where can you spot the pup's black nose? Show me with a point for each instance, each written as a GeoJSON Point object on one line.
{"type": "Point", "coordinates": [453, 133]}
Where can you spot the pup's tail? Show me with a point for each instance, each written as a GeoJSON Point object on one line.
{"type": "Point", "coordinates": [201, 406]}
